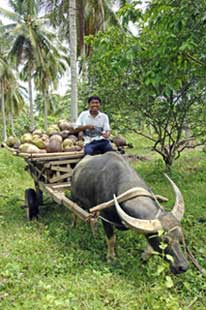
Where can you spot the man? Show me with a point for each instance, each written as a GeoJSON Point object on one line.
{"type": "Point", "coordinates": [95, 127]}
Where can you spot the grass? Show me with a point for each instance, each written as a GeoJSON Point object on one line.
{"type": "Point", "coordinates": [46, 264]}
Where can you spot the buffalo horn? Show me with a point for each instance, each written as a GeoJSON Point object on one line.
{"type": "Point", "coordinates": [143, 226]}
{"type": "Point", "coordinates": [179, 207]}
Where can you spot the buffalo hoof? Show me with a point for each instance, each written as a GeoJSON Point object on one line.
{"type": "Point", "coordinates": [147, 253]}
{"type": "Point", "coordinates": [111, 259]}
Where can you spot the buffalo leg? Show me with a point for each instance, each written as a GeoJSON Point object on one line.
{"type": "Point", "coordinates": [74, 220]}
{"type": "Point", "coordinates": [147, 253]}
{"type": "Point", "coordinates": [111, 239]}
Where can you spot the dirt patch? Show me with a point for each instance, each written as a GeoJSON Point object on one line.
{"type": "Point", "coordinates": [134, 157]}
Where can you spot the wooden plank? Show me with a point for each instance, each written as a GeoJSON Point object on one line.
{"type": "Point", "coordinates": [62, 162]}
{"type": "Point", "coordinates": [51, 157]}
{"type": "Point", "coordinates": [54, 155]}
{"type": "Point", "coordinates": [61, 169]}
{"type": "Point", "coordinates": [60, 198]}
{"type": "Point", "coordinates": [61, 186]}
{"type": "Point", "coordinates": [61, 177]}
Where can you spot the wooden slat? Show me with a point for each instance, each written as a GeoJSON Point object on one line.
{"type": "Point", "coordinates": [60, 198]}
{"type": "Point", "coordinates": [61, 177]}
{"type": "Point", "coordinates": [52, 155]}
{"type": "Point", "coordinates": [61, 186]}
{"type": "Point", "coordinates": [62, 162]}
{"type": "Point", "coordinates": [41, 156]}
{"type": "Point", "coordinates": [61, 169]}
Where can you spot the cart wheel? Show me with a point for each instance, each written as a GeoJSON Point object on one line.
{"type": "Point", "coordinates": [31, 203]}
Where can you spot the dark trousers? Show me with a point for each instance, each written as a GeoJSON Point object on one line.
{"type": "Point", "coordinates": [97, 147]}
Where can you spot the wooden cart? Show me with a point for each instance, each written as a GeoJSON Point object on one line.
{"type": "Point", "coordinates": [52, 173]}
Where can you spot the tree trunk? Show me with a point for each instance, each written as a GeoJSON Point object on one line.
{"type": "Point", "coordinates": [4, 134]}
{"type": "Point", "coordinates": [45, 96]}
{"type": "Point", "coordinates": [31, 112]}
{"type": "Point", "coordinates": [11, 120]}
{"type": "Point", "coordinates": [73, 59]}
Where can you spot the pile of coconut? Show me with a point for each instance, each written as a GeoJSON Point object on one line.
{"type": "Point", "coordinates": [59, 137]}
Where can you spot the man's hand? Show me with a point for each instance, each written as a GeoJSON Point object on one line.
{"type": "Point", "coordinates": [105, 134]}
{"type": "Point", "coordinates": [90, 127]}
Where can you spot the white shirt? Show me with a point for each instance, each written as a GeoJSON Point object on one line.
{"type": "Point", "coordinates": [100, 121]}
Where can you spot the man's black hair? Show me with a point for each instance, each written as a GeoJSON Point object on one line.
{"type": "Point", "coordinates": [95, 98]}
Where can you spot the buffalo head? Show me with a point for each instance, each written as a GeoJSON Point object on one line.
{"type": "Point", "coordinates": [164, 233]}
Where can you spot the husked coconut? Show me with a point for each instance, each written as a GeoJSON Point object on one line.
{"type": "Point", "coordinates": [54, 145]}
{"type": "Point", "coordinates": [65, 125]}
{"type": "Point", "coordinates": [30, 148]}
{"type": "Point", "coordinates": [120, 141]}
{"type": "Point", "coordinates": [56, 137]}
{"type": "Point", "coordinates": [74, 148]}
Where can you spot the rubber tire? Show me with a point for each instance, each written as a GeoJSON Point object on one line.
{"type": "Point", "coordinates": [32, 204]}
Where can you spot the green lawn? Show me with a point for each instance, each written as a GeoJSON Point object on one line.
{"type": "Point", "coordinates": [46, 264]}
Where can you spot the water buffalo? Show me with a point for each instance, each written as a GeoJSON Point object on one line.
{"type": "Point", "coordinates": [96, 179]}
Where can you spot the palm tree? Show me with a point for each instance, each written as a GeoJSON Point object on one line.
{"type": "Point", "coordinates": [30, 40]}
{"type": "Point", "coordinates": [73, 59]}
{"type": "Point", "coordinates": [90, 16]}
{"type": "Point", "coordinates": [11, 98]}
{"type": "Point", "coordinates": [48, 74]}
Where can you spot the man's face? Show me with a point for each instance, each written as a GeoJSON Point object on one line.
{"type": "Point", "coordinates": [94, 105]}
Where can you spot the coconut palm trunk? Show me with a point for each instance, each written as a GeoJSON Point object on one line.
{"type": "Point", "coordinates": [73, 59]}
{"type": "Point", "coordinates": [31, 112]}
{"type": "Point", "coordinates": [4, 133]}
{"type": "Point", "coordinates": [45, 96]}
{"type": "Point", "coordinates": [11, 121]}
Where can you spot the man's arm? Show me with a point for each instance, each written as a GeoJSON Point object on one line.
{"type": "Point", "coordinates": [82, 128]}
{"type": "Point", "coordinates": [79, 124]}
{"type": "Point", "coordinates": [106, 130]}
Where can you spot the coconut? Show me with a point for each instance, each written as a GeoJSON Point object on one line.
{"type": "Point", "coordinates": [54, 145]}
{"type": "Point", "coordinates": [80, 143]}
{"type": "Point", "coordinates": [44, 137]}
{"type": "Point", "coordinates": [37, 132]}
{"type": "Point", "coordinates": [74, 148]}
{"type": "Point", "coordinates": [65, 134]}
{"type": "Point", "coordinates": [11, 141]}
{"type": "Point", "coordinates": [67, 143]}
{"type": "Point", "coordinates": [38, 142]}
{"type": "Point", "coordinates": [57, 137]}
{"type": "Point", "coordinates": [16, 145]}
{"type": "Point", "coordinates": [119, 141]}
{"type": "Point", "coordinates": [73, 138]}
{"type": "Point", "coordinates": [52, 129]}
{"type": "Point", "coordinates": [26, 138]}
{"type": "Point", "coordinates": [65, 125]}
{"type": "Point", "coordinates": [30, 148]}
